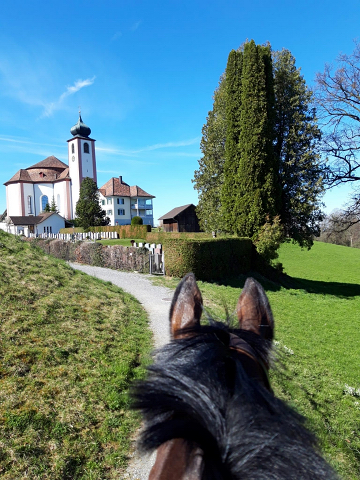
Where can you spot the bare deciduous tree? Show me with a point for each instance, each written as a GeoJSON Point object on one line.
{"type": "Point", "coordinates": [337, 96]}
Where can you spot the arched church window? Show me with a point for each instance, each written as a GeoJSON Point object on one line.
{"type": "Point", "coordinates": [72, 148]}
{"type": "Point", "coordinates": [44, 202]}
{"type": "Point", "coordinates": [86, 148]}
{"type": "Point", "coordinates": [58, 202]}
{"type": "Point", "coordinates": [29, 204]}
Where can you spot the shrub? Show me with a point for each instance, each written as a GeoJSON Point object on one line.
{"type": "Point", "coordinates": [269, 240]}
{"type": "Point", "coordinates": [208, 259]}
{"type": "Point", "coordinates": [136, 221]}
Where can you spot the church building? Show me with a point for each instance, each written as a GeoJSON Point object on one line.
{"type": "Point", "coordinates": [52, 181]}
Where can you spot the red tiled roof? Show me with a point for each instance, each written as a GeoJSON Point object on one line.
{"type": "Point", "coordinates": [21, 175]}
{"type": "Point", "coordinates": [116, 187]}
{"type": "Point", "coordinates": [48, 170]}
{"type": "Point", "coordinates": [50, 162]}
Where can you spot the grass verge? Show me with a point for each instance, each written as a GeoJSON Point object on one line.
{"type": "Point", "coordinates": [70, 347]}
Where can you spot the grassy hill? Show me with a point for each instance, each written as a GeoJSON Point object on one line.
{"type": "Point", "coordinates": [69, 347]}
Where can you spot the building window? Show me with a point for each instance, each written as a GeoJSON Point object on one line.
{"type": "Point", "coordinates": [148, 212]}
{"type": "Point", "coordinates": [50, 229]}
{"type": "Point", "coordinates": [121, 211]}
{"type": "Point", "coordinates": [102, 202]}
{"type": "Point", "coordinates": [29, 204]}
{"type": "Point", "coordinates": [120, 201]}
{"type": "Point", "coordinates": [109, 201]}
{"type": "Point", "coordinates": [44, 229]}
{"type": "Point", "coordinates": [72, 148]}
{"type": "Point", "coordinates": [44, 202]}
{"type": "Point", "coordinates": [108, 212]}
{"type": "Point", "coordinates": [86, 148]}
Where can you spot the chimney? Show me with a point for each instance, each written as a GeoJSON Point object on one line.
{"type": "Point", "coordinates": [120, 178]}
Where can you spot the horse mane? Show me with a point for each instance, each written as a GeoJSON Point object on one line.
{"type": "Point", "coordinates": [198, 390]}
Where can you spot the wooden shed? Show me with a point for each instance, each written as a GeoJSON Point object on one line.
{"type": "Point", "coordinates": [180, 219]}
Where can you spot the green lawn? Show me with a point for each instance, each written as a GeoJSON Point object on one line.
{"type": "Point", "coordinates": [70, 346]}
{"type": "Point", "coordinates": [318, 342]}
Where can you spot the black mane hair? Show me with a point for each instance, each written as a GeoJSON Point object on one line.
{"type": "Point", "coordinates": [198, 390]}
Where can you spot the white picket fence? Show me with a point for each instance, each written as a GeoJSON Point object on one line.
{"type": "Point", "coordinates": [76, 236]}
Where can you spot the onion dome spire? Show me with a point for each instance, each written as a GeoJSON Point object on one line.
{"type": "Point", "coordinates": [80, 128]}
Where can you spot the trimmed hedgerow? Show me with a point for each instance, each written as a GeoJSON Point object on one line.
{"type": "Point", "coordinates": [208, 259]}
{"type": "Point", "coordinates": [124, 231]}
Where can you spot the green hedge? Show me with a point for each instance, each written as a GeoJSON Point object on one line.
{"type": "Point", "coordinates": [208, 259]}
{"type": "Point", "coordinates": [161, 237]}
{"type": "Point", "coordinates": [124, 231]}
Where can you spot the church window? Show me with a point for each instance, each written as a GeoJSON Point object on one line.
{"type": "Point", "coordinates": [58, 202]}
{"type": "Point", "coordinates": [86, 148]}
{"type": "Point", "coordinates": [44, 202]}
{"type": "Point", "coordinates": [72, 148]}
{"type": "Point", "coordinates": [29, 204]}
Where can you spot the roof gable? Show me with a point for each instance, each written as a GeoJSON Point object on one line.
{"type": "Point", "coordinates": [116, 187]}
{"type": "Point", "coordinates": [49, 162]}
{"type": "Point", "coordinates": [175, 212]}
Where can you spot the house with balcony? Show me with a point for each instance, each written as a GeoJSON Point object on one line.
{"type": "Point", "coordinates": [122, 202]}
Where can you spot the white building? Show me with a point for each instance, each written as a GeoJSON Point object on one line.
{"type": "Point", "coordinates": [122, 202]}
{"type": "Point", "coordinates": [30, 189]}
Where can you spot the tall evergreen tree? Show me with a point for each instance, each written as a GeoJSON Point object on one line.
{"type": "Point", "coordinates": [208, 178]}
{"type": "Point", "coordinates": [250, 192]}
{"type": "Point", "coordinates": [88, 209]}
{"type": "Point", "coordinates": [296, 145]}
{"type": "Point", "coordinates": [282, 137]}
{"type": "Point", "coordinates": [53, 206]}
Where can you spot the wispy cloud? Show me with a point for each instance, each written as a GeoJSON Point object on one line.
{"type": "Point", "coordinates": [116, 36]}
{"type": "Point", "coordinates": [17, 141]}
{"type": "Point", "coordinates": [78, 85]}
{"type": "Point", "coordinates": [135, 26]}
{"type": "Point", "coordinates": [157, 146]}
{"type": "Point", "coordinates": [149, 148]}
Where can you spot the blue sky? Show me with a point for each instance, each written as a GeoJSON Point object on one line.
{"type": "Point", "coordinates": [143, 73]}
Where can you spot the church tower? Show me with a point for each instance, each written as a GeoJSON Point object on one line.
{"type": "Point", "coordinates": [82, 161]}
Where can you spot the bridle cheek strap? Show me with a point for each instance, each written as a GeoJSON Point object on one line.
{"type": "Point", "coordinates": [241, 346]}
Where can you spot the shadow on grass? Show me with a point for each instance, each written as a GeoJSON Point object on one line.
{"type": "Point", "coordinates": [342, 290]}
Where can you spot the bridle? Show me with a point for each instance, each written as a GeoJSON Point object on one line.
{"type": "Point", "coordinates": [243, 347]}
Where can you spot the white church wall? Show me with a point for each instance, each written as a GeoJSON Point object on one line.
{"type": "Point", "coordinates": [41, 190]}
{"type": "Point", "coordinates": [29, 206]}
{"type": "Point", "coordinates": [13, 195]}
{"type": "Point", "coordinates": [61, 200]}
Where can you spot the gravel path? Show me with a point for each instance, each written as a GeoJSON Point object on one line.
{"type": "Point", "coordinates": [156, 301]}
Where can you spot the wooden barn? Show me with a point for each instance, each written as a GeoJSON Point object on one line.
{"type": "Point", "coordinates": [180, 219]}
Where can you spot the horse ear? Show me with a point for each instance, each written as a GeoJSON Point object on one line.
{"type": "Point", "coordinates": [253, 310]}
{"type": "Point", "coordinates": [186, 306]}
